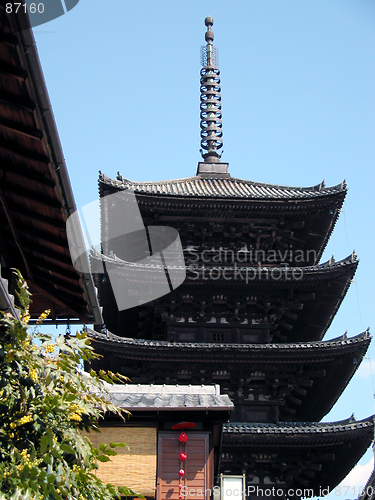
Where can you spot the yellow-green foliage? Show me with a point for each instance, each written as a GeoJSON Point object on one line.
{"type": "Point", "coordinates": [45, 402]}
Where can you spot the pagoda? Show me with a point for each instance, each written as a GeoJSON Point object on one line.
{"type": "Point", "coordinates": [250, 316]}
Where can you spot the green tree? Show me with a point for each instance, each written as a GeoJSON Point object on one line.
{"type": "Point", "coordinates": [45, 402]}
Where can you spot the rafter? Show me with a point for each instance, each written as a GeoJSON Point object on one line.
{"type": "Point", "coordinates": [19, 212]}
{"type": "Point", "coordinates": [58, 298]}
{"type": "Point", "coordinates": [27, 174]}
{"type": "Point", "coordinates": [14, 232]}
{"type": "Point", "coordinates": [17, 101]}
{"type": "Point", "coordinates": [31, 133]}
{"type": "Point", "coordinates": [62, 284]}
{"type": "Point", "coordinates": [31, 195]}
{"type": "Point", "coordinates": [12, 71]}
{"type": "Point", "coordinates": [34, 232]}
{"type": "Point", "coordinates": [67, 274]}
{"type": "Point", "coordinates": [24, 153]}
{"type": "Point", "coordinates": [8, 38]}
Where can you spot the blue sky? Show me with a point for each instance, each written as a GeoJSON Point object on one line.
{"type": "Point", "coordinates": [297, 100]}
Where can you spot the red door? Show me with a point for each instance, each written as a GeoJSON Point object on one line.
{"type": "Point", "coordinates": [198, 466]}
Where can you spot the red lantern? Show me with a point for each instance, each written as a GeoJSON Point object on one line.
{"type": "Point", "coordinates": [182, 456]}
{"type": "Point", "coordinates": [180, 486]}
{"type": "Point", "coordinates": [183, 425]}
{"type": "Point", "coordinates": [180, 497]}
{"type": "Point", "coordinates": [181, 472]}
{"type": "Point", "coordinates": [183, 437]}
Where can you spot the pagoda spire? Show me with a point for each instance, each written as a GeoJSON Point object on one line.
{"type": "Point", "coordinates": [210, 106]}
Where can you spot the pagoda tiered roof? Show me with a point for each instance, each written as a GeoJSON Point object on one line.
{"type": "Point", "coordinates": [297, 455]}
{"type": "Point", "coordinates": [227, 349]}
{"type": "Point", "coordinates": [224, 186]}
{"type": "Point", "coordinates": [311, 375]}
{"type": "Point", "coordinates": [299, 302]}
{"type": "Point", "coordinates": [276, 217]}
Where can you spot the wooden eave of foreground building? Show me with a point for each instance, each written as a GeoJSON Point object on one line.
{"type": "Point", "coordinates": [300, 455]}
{"type": "Point", "coordinates": [35, 193]}
{"type": "Point", "coordinates": [299, 304]}
{"type": "Point", "coordinates": [264, 214]}
{"type": "Point", "coordinates": [304, 379]}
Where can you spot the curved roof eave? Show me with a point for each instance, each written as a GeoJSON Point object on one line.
{"type": "Point", "coordinates": [223, 188]}
{"type": "Point", "coordinates": [293, 428]}
{"type": "Point", "coordinates": [159, 345]}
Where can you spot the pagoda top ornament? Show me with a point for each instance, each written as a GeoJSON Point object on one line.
{"type": "Point", "coordinates": [210, 107]}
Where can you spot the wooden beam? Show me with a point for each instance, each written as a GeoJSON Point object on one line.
{"type": "Point", "coordinates": [324, 457]}
{"type": "Point", "coordinates": [294, 400]}
{"type": "Point", "coordinates": [19, 128]}
{"type": "Point", "coordinates": [280, 336]}
{"type": "Point", "coordinates": [41, 235]}
{"type": "Point", "coordinates": [50, 254]}
{"type": "Point", "coordinates": [290, 315]}
{"type": "Point", "coordinates": [315, 374]}
{"type": "Point", "coordinates": [25, 193]}
{"type": "Point", "coordinates": [27, 154]}
{"type": "Point", "coordinates": [30, 215]}
{"type": "Point", "coordinates": [68, 288]}
{"type": "Point", "coordinates": [35, 250]}
{"type": "Point", "coordinates": [50, 293]}
{"type": "Point", "coordinates": [71, 274]}
{"type": "Point", "coordinates": [312, 466]}
{"type": "Point", "coordinates": [301, 392]}
{"type": "Point", "coordinates": [27, 174]}
{"type": "Point", "coordinates": [17, 101]}
{"type": "Point", "coordinates": [8, 38]}
{"type": "Point", "coordinates": [291, 411]}
{"type": "Point", "coordinates": [12, 71]}
{"type": "Point", "coordinates": [286, 325]}
{"type": "Point", "coordinates": [305, 382]}
{"type": "Point", "coordinates": [14, 233]}
{"type": "Point", "coordinates": [304, 482]}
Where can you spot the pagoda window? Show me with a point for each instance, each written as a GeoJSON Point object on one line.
{"type": "Point", "coordinates": [223, 374]}
{"type": "Point", "coordinates": [185, 334]}
{"type": "Point", "coordinates": [250, 338]}
{"type": "Point", "coordinates": [261, 415]}
{"type": "Point", "coordinates": [218, 337]}
{"type": "Point", "coordinates": [254, 480]}
{"type": "Point", "coordinates": [184, 374]}
{"type": "Point", "coordinates": [250, 397]}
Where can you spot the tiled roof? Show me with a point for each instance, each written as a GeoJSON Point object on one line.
{"type": "Point", "coordinates": [222, 186]}
{"type": "Point", "coordinates": [281, 349]}
{"type": "Point", "coordinates": [169, 397]}
{"type": "Point", "coordinates": [240, 428]}
{"type": "Point", "coordinates": [315, 271]}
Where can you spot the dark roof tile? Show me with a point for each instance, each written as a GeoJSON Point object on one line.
{"type": "Point", "coordinates": [168, 397]}
{"type": "Point", "coordinates": [350, 424]}
{"type": "Point", "coordinates": [219, 186]}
